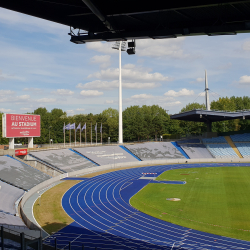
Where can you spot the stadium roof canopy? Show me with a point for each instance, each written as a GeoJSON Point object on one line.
{"type": "Point", "coordinates": [208, 116]}
{"type": "Point", "coordinates": [112, 20]}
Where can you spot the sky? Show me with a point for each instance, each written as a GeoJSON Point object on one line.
{"type": "Point", "coordinates": [40, 67]}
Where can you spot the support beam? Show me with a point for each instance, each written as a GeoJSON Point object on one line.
{"type": "Point", "coordinates": [30, 142]}
{"type": "Point", "coordinates": [11, 143]}
{"type": "Point", "coordinates": [209, 126]}
{"type": "Point", "coordinates": [98, 13]}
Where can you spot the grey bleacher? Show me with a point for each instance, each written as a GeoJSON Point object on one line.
{"type": "Point", "coordinates": [19, 174]}
{"type": "Point", "coordinates": [11, 221]}
{"type": "Point", "coordinates": [189, 141]}
{"type": "Point", "coordinates": [195, 151]}
{"type": "Point", "coordinates": [8, 196]}
{"type": "Point", "coordinates": [155, 150]}
{"type": "Point", "coordinates": [64, 159]}
{"type": "Point", "coordinates": [104, 155]}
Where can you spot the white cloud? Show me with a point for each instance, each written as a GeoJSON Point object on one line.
{"type": "Point", "coordinates": [183, 92]}
{"type": "Point", "coordinates": [244, 79]}
{"type": "Point", "coordinates": [98, 84]}
{"type": "Point", "coordinates": [80, 109]}
{"type": "Point", "coordinates": [200, 79]}
{"type": "Point", "coordinates": [173, 103]}
{"type": "Point", "coordinates": [3, 110]}
{"type": "Point", "coordinates": [25, 109]}
{"type": "Point", "coordinates": [64, 92]}
{"type": "Point", "coordinates": [202, 93]}
{"type": "Point", "coordinates": [246, 45]}
{"type": "Point", "coordinates": [32, 89]}
{"type": "Point", "coordinates": [104, 60]}
{"type": "Point", "coordinates": [171, 48]}
{"type": "Point", "coordinates": [70, 112]}
{"type": "Point", "coordinates": [142, 96]}
{"type": "Point", "coordinates": [4, 92]}
{"type": "Point", "coordinates": [91, 93]}
{"type": "Point", "coordinates": [4, 77]}
{"type": "Point", "coordinates": [23, 98]}
{"type": "Point", "coordinates": [130, 73]}
{"type": "Point", "coordinates": [46, 100]}
{"type": "Point", "coordinates": [109, 101]}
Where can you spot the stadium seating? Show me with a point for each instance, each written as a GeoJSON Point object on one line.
{"type": "Point", "coordinates": [195, 151]}
{"type": "Point", "coordinates": [155, 150]}
{"type": "Point", "coordinates": [241, 137]}
{"type": "Point", "coordinates": [8, 196]}
{"type": "Point", "coordinates": [222, 150]}
{"type": "Point", "coordinates": [104, 155]}
{"type": "Point", "coordinates": [19, 174]}
{"type": "Point", "coordinates": [11, 221]}
{"type": "Point", "coordinates": [64, 159]}
{"type": "Point", "coordinates": [244, 149]}
{"type": "Point", "coordinates": [220, 139]}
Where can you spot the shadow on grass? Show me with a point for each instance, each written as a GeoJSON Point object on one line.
{"type": "Point", "coordinates": [51, 228]}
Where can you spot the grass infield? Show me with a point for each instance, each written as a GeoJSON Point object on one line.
{"type": "Point", "coordinates": [214, 200]}
{"type": "Point", "coordinates": [49, 214]}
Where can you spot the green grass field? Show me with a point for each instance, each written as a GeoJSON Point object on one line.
{"type": "Point", "coordinates": [214, 200]}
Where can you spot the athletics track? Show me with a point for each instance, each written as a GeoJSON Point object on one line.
{"type": "Point", "coordinates": [104, 218]}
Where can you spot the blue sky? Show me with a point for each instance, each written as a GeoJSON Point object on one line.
{"type": "Point", "coordinates": [40, 67]}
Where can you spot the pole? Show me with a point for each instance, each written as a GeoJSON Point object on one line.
{"type": "Point", "coordinates": [80, 134]}
{"type": "Point", "coordinates": [206, 92]}
{"type": "Point", "coordinates": [70, 136]}
{"type": "Point", "coordinates": [85, 134]}
{"type": "Point", "coordinates": [120, 95]}
{"type": "Point", "coordinates": [101, 133]}
{"type": "Point", "coordinates": [75, 137]}
{"type": "Point", "coordinates": [49, 136]}
{"type": "Point", "coordinates": [2, 237]}
{"type": "Point", "coordinates": [91, 134]}
{"type": "Point", "coordinates": [96, 134]}
{"type": "Point", "coordinates": [64, 134]}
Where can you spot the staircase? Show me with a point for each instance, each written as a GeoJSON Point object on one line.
{"type": "Point", "coordinates": [230, 142]}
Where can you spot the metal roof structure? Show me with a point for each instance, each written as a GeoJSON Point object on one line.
{"type": "Point", "coordinates": [208, 116]}
{"type": "Point", "coordinates": [110, 20]}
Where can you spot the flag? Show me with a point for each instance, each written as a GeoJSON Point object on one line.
{"type": "Point", "coordinates": [101, 128]}
{"type": "Point", "coordinates": [79, 127]}
{"type": "Point", "coordinates": [67, 127]}
{"type": "Point", "coordinates": [96, 128]}
{"type": "Point", "coordinates": [73, 126]}
{"type": "Point", "coordinates": [84, 127]}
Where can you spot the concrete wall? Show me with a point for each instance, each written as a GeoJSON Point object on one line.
{"type": "Point", "coordinates": [40, 186]}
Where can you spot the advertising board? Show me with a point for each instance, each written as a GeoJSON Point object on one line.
{"type": "Point", "coordinates": [16, 125]}
{"type": "Point", "coordinates": [20, 152]}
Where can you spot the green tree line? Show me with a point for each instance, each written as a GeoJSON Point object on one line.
{"type": "Point", "coordinates": [139, 123]}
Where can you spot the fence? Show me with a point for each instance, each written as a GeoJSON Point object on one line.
{"type": "Point", "coordinates": [10, 239]}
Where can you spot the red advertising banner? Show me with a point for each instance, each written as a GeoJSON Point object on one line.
{"type": "Point", "coordinates": [15, 125]}
{"type": "Point", "coordinates": [20, 152]}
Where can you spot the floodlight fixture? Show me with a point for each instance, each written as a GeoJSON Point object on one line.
{"type": "Point", "coordinates": [116, 45]}
{"type": "Point", "coordinates": [131, 51]}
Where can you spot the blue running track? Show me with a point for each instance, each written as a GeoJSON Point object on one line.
{"type": "Point", "coordinates": [104, 219]}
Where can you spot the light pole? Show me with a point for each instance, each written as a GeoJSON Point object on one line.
{"type": "Point", "coordinates": [121, 46]}
{"type": "Point", "coordinates": [49, 135]}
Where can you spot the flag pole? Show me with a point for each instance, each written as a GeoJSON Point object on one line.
{"type": "Point", "coordinates": [85, 134]}
{"type": "Point", "coordinates": [101, 133]}
{"type": "Point", "coordinates": [80, 134]}
{"type": "Point", "coordinates": [75, 136]}
{"type": "Point", "coordinates": [91, 133]}
{"type": "Point", "coordinates": [70, 136]}
{"type": "Point", "coordinates": [64, 133]}
{"type": "Point", "coordinates": [96, 134]}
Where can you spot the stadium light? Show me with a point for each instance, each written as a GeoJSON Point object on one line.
{"type": "Point", "coordinates": [121, 46]}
